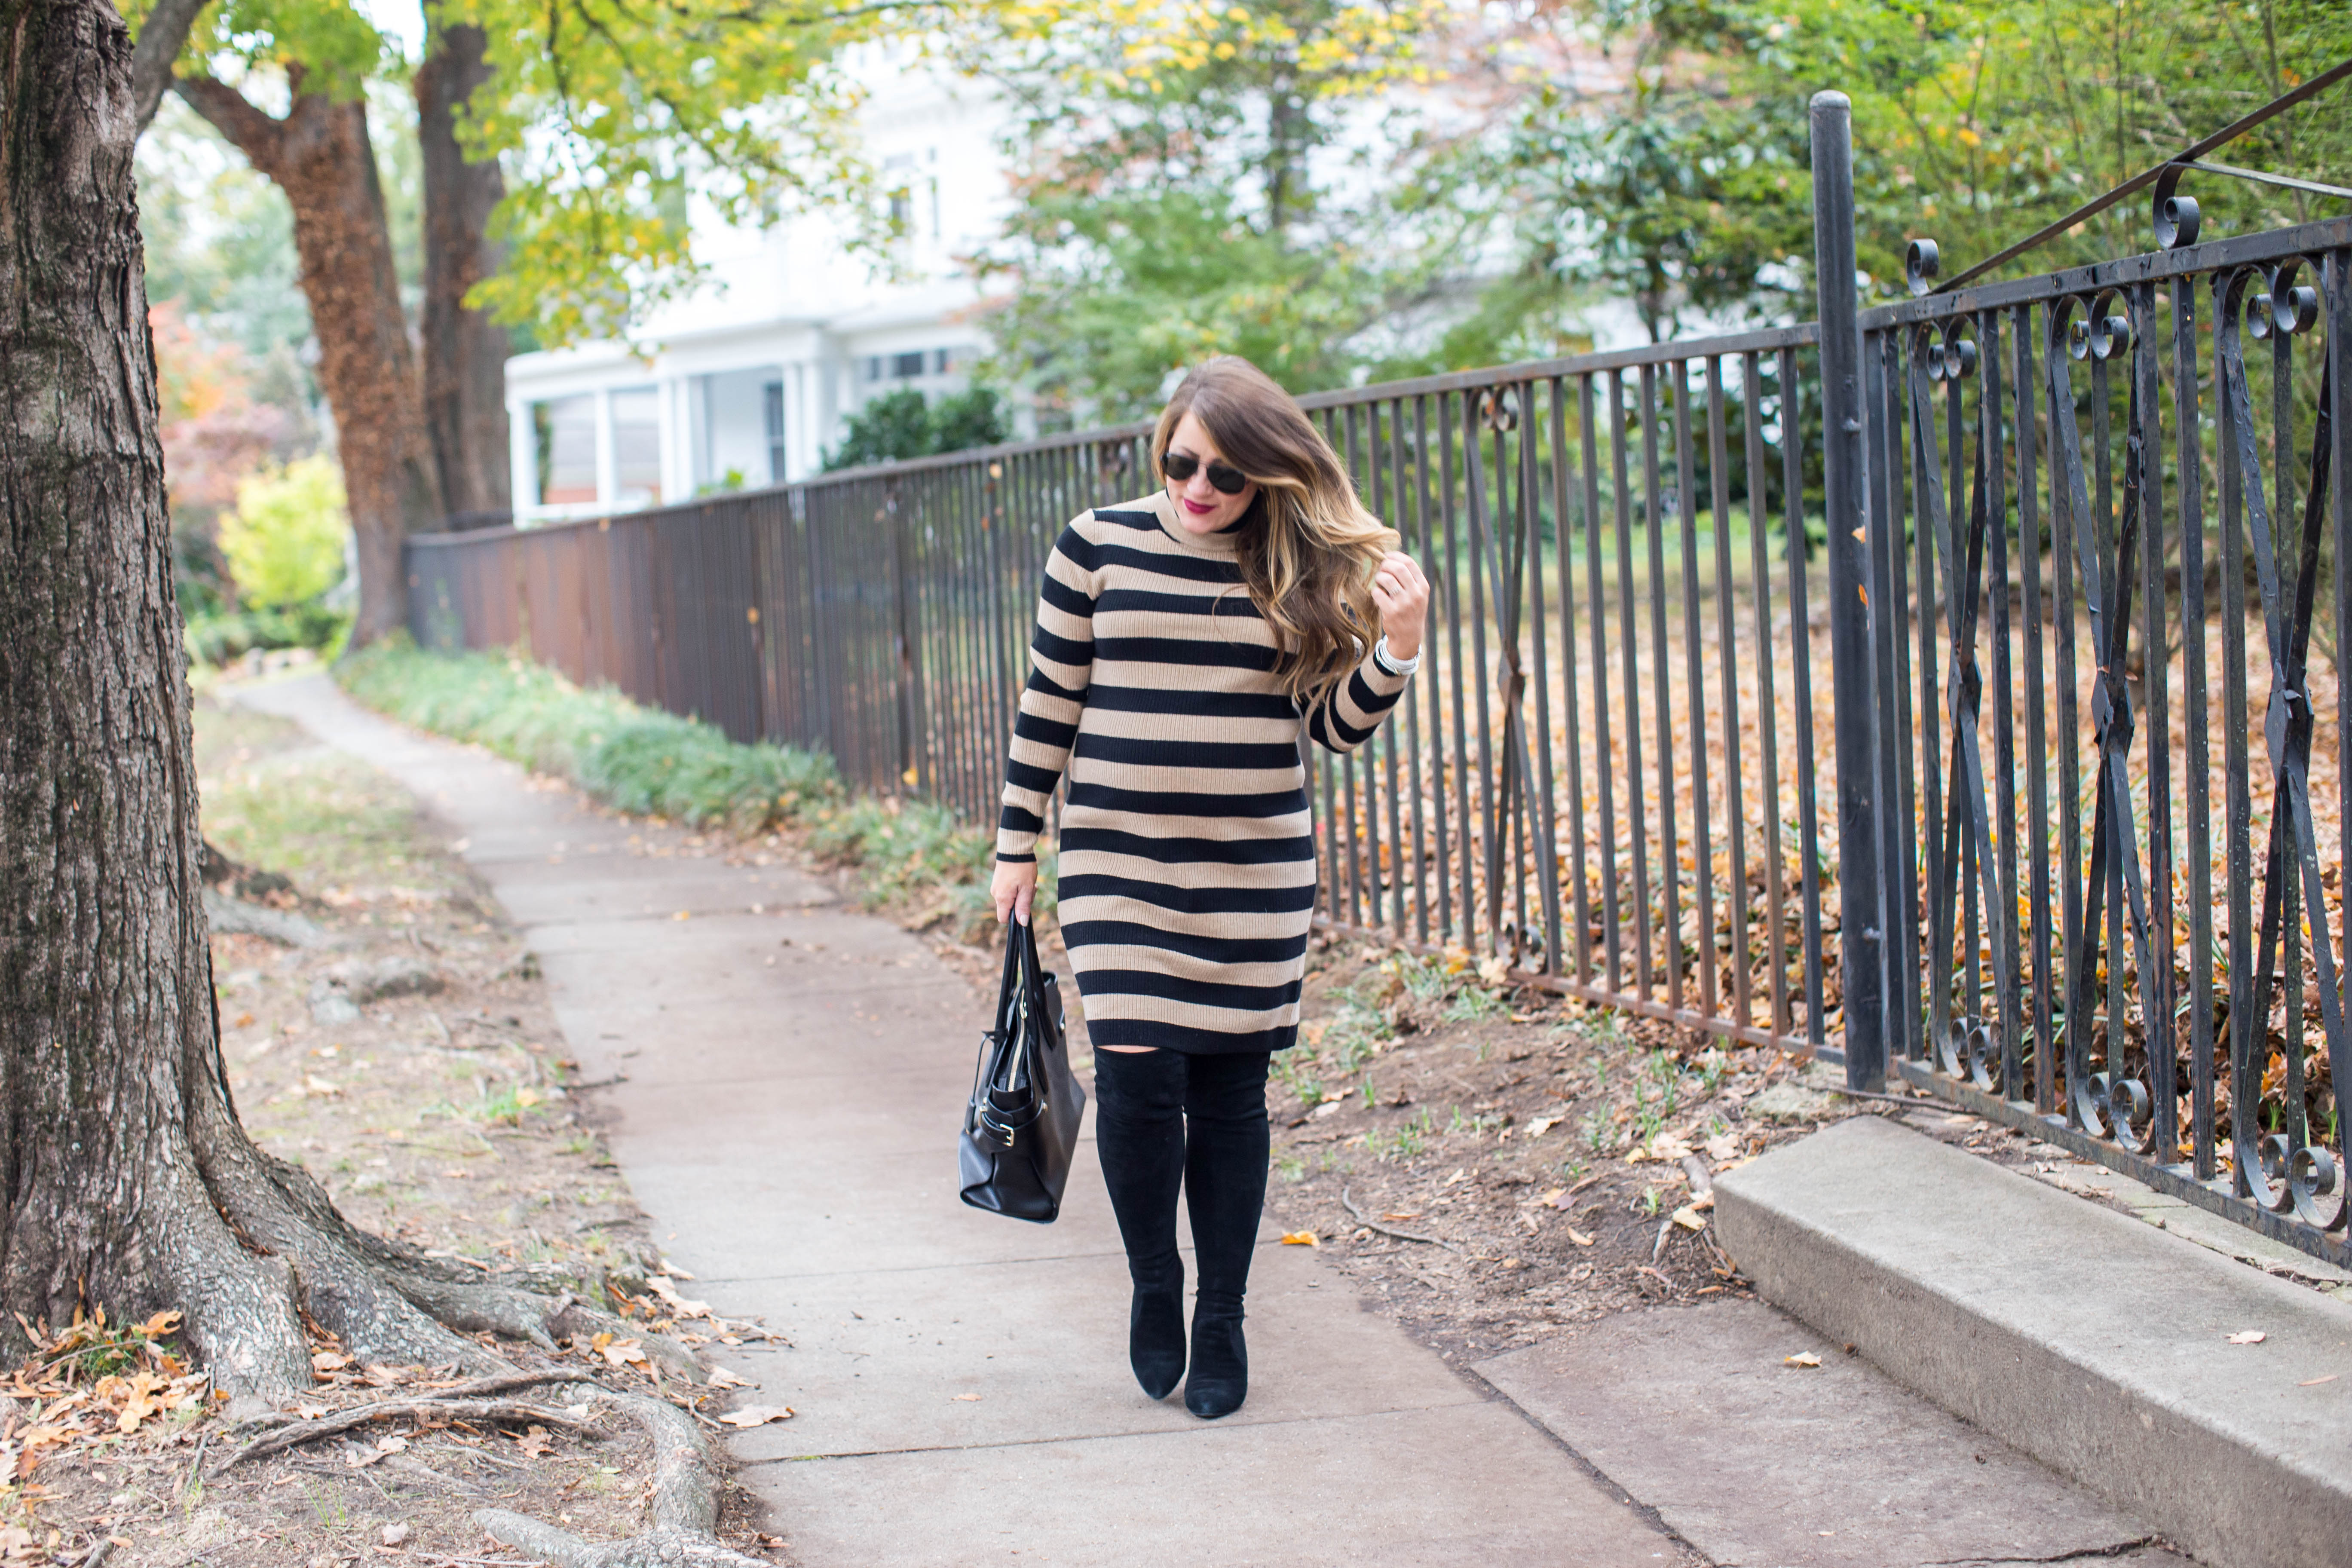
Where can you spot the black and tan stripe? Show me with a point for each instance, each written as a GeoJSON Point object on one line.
{"type": "Point", "coordinates": [1187, 851]}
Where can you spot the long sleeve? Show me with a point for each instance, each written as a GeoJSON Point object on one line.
{"type": "Point", "coordinates": [1345, 716]}
{"type": "Point", "coordinates": [1061, 658]}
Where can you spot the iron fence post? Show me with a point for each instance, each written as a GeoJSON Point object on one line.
{"type": "Point", "coordinates": [1861, 922]}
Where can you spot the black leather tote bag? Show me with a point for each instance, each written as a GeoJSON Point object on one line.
{"type": "Point", "coordinates": [1023, 1122]}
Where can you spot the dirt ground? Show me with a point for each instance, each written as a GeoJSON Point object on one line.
{"type": "Point", "coordinates": [402, 1049]}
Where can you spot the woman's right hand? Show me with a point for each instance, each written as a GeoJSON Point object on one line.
{"type": "Point", "coordinates": [1013, 886]}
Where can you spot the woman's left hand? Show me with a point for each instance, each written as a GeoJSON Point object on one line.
{"type": "Point", "coordinates": [1402, 594]}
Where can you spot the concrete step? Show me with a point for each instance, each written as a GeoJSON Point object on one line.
{"type": "Point", "coordinates": [2095, 1343]}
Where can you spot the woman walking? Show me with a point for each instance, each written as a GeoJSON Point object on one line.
{"type": "Point", "coordinates": [1182, 642]}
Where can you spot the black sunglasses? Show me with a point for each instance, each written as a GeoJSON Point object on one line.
{"type": "Point", "coordinates": [1181, 466]}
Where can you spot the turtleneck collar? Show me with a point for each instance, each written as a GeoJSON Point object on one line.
{"type": "Point", "coordinates": [1163, 506]}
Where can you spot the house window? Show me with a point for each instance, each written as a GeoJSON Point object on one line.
{"type": "Point", "coordinates": [773, 401]}
{"type": "Point", "coordinates": [563, 431]}
{"type": "Point", "coordinates": [636, 447]}
{"type": "Point", "coordinates": [906, 367]}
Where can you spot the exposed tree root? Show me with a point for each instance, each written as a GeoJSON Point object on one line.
{"type": "Point", "coordinates": [686, 1507]}
{"type": "Point", "coordinates": [466, 1401]}
{"type": "Point", "coordinates": [302, 1432]}
{"type": "Point", "coordinates": [384, 1300]}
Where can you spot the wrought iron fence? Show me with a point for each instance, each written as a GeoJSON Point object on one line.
{"type": "Point", "coordinates": [2115, 486]}
{"type": "Point", "coordinates": [1609, 539]}
{"type": "Point", "coordinates": [2012, 522]}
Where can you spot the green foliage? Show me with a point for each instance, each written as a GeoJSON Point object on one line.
{"type": "Point", "coordinates": [284, 542]}
{"type": "Point", "coordinates": [911, 848]}
{"type": "Point", "coordinates": [216, 636]}
{"type": "Point", "coordinates": [894, 426]}
{"type": "Point", "coordinates": [653, 764]}
{"type": "Point", "coordinates": [1203, 197]}
{"type": "Point", "coordinates": [975, 416]}
{"type": "Point", "coordinates": [608, 116]}
{"type": "Point", "coordinates": [1691, 193]}
{"type": "Point", "coordinates": [634, 758]}
{"type": "Point", "coordinates": [220, 247]}
{"type": "Point", "coordinates": [903, 424]}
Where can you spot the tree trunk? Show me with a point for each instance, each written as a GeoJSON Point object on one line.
{"type": "Point", "coordinates": [465, 352]}
{"type": "Point", "coordinates": [319, 154]}
{"type": "Point", "coordinates": [106, 1009]}
{"type": "Point", "coordinates": [129, 1184]}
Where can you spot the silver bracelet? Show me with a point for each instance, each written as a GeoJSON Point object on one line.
{"type": "Point", "coordinates": [1389, 662]}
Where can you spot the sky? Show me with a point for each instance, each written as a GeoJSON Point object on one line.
{"type": "Point", "coordinates": [402, 21]}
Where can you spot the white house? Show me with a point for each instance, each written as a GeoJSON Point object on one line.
{"type": "Point", "coordinates": [749, 381]}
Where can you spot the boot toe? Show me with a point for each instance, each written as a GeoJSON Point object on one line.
{"type": "Point", "coordinates": [1211, 1398]}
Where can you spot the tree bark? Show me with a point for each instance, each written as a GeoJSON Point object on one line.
{"type": "Point", "coordinates": [320, 155]}
{"type": "Point", "coordinates": [106, 1010]}
{"type": "Point", "coordinates": [465, 352]}
{"type": "Point", "coordinates": [163, 34]}
{"type": "Point", "coordinates": [126, 1182]}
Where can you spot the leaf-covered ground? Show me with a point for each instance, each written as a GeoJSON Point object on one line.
{"type": "Point", "coordinates": [409, 1060]}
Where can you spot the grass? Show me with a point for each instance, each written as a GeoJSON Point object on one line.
{"type": "Point", "coordinates": [638, 760]}
{"type": "Point", "coordinates": [651, 763]}
{"type": "Point", "coordinates": [273, 798]}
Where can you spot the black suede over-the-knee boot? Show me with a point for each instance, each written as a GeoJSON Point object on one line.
{"type": "Point", "coordinates": [1226, 1143]}
{"type": "Point", "coordinates": [1140, 1137]}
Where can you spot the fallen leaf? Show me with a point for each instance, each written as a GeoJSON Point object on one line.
{"type": "Point", "coordinates": [1579, 1237]}
{"type": "Point", "coordinates": [1803, 1358]}
{"type": "Point", "coordinates": [968, 1398]}
{"type": "Point", "coordinates": [722, 1378]}
{"type": "Point", "coordinates": [395, 1534]}
{"type": "Point", "coordinates": [1689, 1218]}
{"type": "Point", "coordinates": [328, 1361]}
{"type": "Point", "coordinates": [1461, 1175]}
{"type": "Point", "coordinates": [2249, 1336]}
{"type": "Point", "coordinates": [1543, 1124]}
{"type": "Point", "coordinates": [1723, 1148]}
{"type": "Point", "coordinates": [1302, 1238]}
{"type": "Point", "coordinates": [1552, 1199]}
{"type": "Point", "coordinates": [534, 1442]}
{"type": "Point", "coordinates": [761, 1414]}
{"type": "Point", "coordinates": [680, 1306]}
{"type": "Point", "coordinates": [1494, 971]}
{"type": "Point", "coordinates": [623, 1353]}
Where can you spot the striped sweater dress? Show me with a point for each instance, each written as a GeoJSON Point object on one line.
{"type": "Point", "coordinates": [1187, 854]}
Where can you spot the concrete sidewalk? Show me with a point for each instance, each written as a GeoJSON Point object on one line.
{"type": "Point", "coordinates": [789, 1119]}
{"type": "Point", "coordinates": [794, 1074]}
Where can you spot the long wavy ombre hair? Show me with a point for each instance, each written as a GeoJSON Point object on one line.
{"type": "Point", "coordinates": [1306, 547]}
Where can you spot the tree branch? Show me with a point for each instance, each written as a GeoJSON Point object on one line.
{"type": "Point", "coordinates": [161, 37]}
{"type": "Point", "coordinates": [260, 137]}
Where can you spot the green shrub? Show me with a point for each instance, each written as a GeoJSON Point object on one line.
{"type": "Point", "coordinates": [638, 759]}
{"type": "Point", "coordinates": [284, 542]}
{"type": "Point", "coordinates": [225, 635]}
{"type": "Point", "coordinates": [652, 763]}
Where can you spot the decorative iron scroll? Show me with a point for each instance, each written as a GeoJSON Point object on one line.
{"type": "Point", "coordinates": [2090, 503]}
{"type": "Point", "coordinates": [2284, 1168]}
